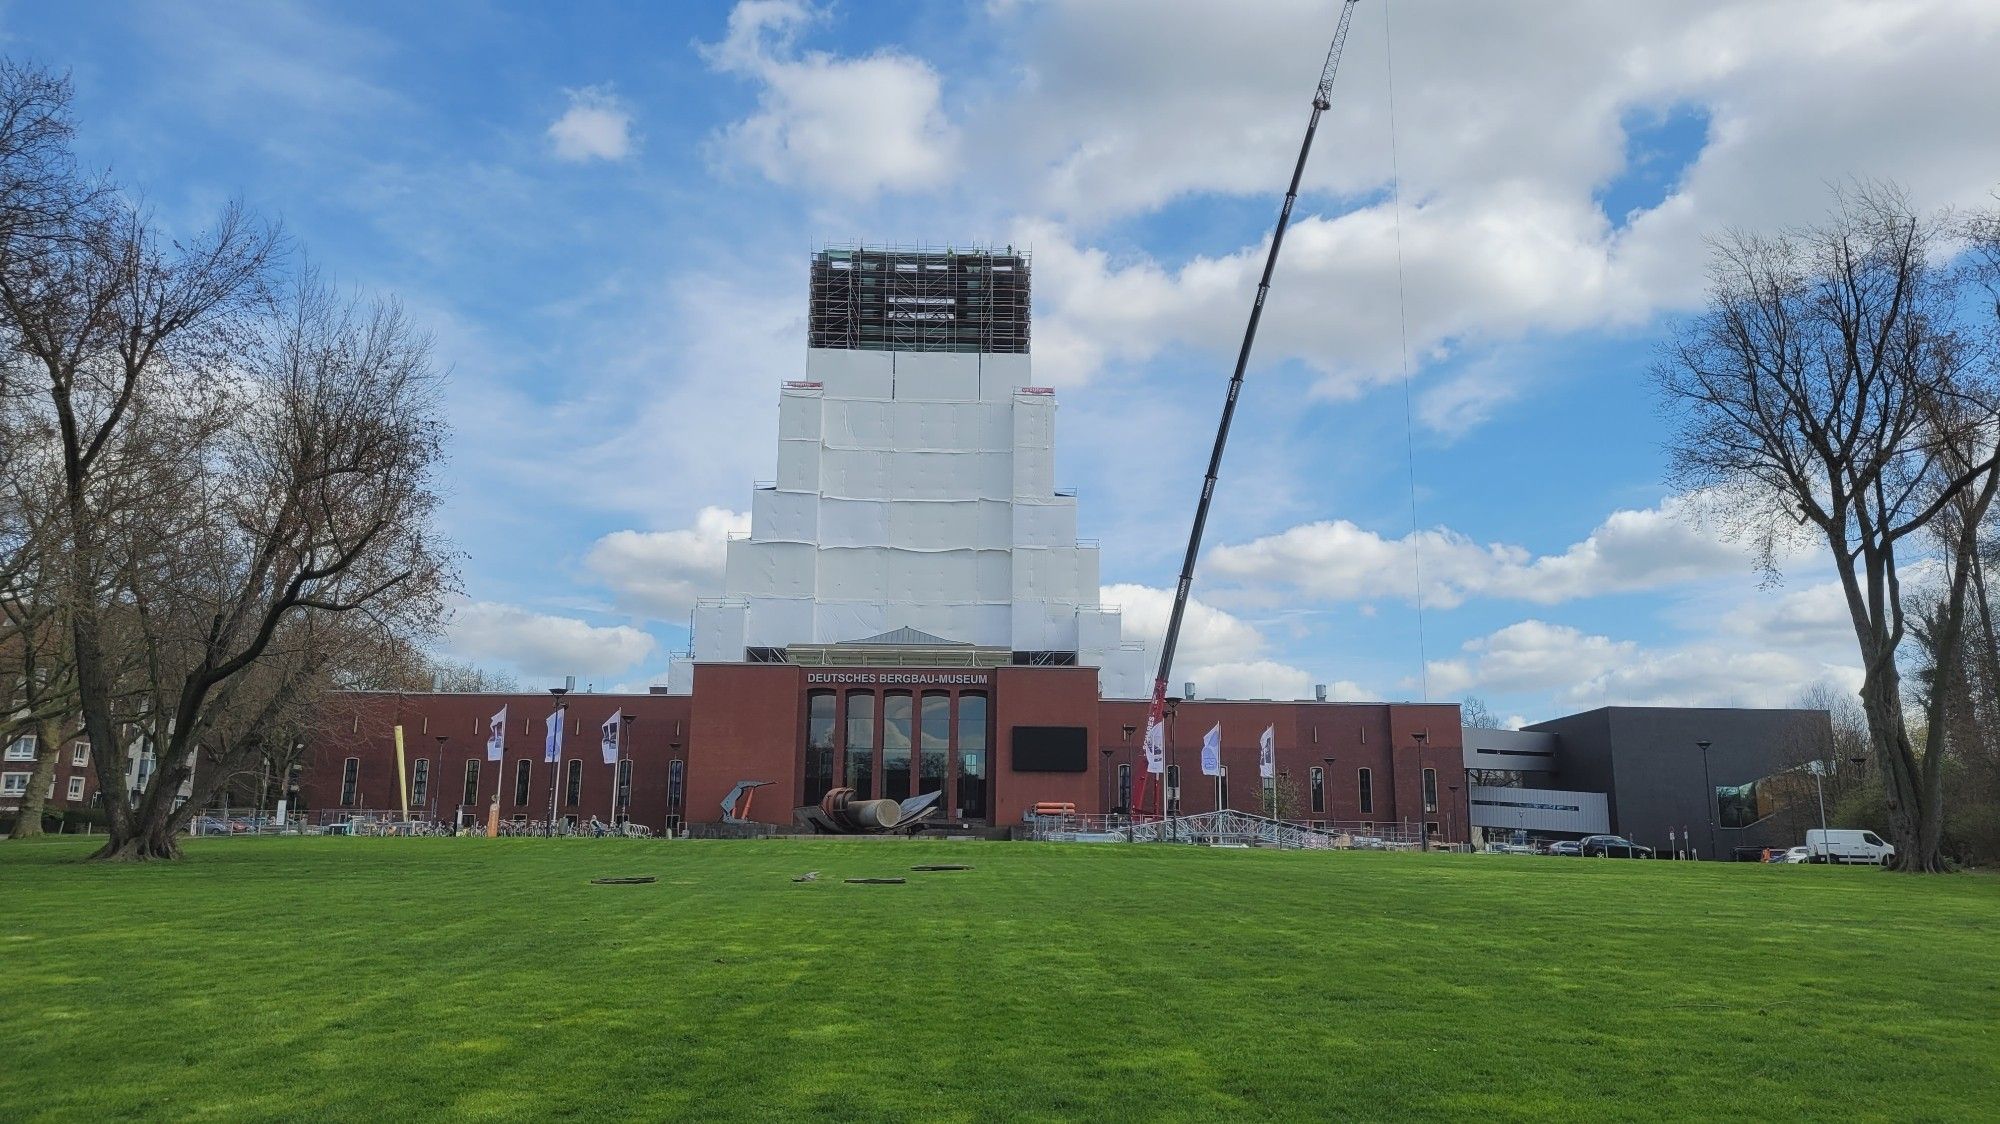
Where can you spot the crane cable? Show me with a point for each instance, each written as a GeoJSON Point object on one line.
{"type": "Point", "coordinates": [1403, 323]}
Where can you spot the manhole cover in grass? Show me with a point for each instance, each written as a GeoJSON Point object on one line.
{"type": "Point", "coordinates": [876, 881]}
{"type": "Point", "coordinates": [942, 866]}
{"type": "Point", "coordinates": [623, 881]}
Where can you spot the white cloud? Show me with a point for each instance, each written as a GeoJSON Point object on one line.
{"type": "Point", "coordinates": [1573, 669]}
{"type": "Point", "coordinates": [1225, 656]}
{"type": "Point", "coordinates": [855, 126]}
{"type": "Point", "coordinates": [540, 645]}
{"type": "Point", "coordinates": [1631, 550]}
{"type": "Point", "coordinates": [661, 573]}
{"type": "Point", "coordinates": [1502, 231]}
{"type": "Point", "coordinates": [597, 126]}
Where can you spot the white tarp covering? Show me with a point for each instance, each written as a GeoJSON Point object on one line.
{"type": "Point", "coordinates": [799, 466]}
{"type": "Point", "coordinates": [779, 516]}
{"type": "Point", "coordinates": [1001, 375]}
{"type": "Point", "coordinates": [778, 621]}
{"type": "Point", "coordinates": [913, 491]}
{"type": "Point", "coordinates": [718, 630]}
{"type": "Point", "coordinates": [770, 569]}
{"type": "Point", "coordinates": [1045, 524]}
{"type": "Point", "coordinates": [799, 415]}
{"type": "Point", "coordinates": [937, 375]}
{"type": "Point", "coordinates": [858, 374]}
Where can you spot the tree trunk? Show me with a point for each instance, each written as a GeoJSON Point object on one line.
{"type": "Point", "coordinates": [48, 745]}
{"type": "Point", "coordinates": [155, 839]}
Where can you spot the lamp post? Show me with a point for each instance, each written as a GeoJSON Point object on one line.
{"type": "Point", "coordinates": [1423, 825]}
{"type": "Point", "coordinates": [555, 773]}
{"type": "Point", "coordinates": [1708, 800]}
{"type": "Point", "coordinates": [620, 800]}
{"type": "Point", "coordinates": [431, 800]}
{"type": "Point", "coordinates": [1104, 778]}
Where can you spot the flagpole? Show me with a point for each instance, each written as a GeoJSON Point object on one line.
{"type": "Point", "coordinates": [555, 776]}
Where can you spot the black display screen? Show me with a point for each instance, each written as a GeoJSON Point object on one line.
{"type": "Point", "coordinates": [1051, 749]}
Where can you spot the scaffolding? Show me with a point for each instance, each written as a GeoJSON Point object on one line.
{"type": "Point", "coordinates": [919, 299]}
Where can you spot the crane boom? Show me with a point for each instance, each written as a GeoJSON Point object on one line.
{"type": "Point", "coordinates": [1321, 100]}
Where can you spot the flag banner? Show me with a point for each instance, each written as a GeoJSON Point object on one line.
{"type": "Point", "coordinates": [552, 744]}
{"type": "Point", "coordinates": [1156, 747]}
{"type": "Point", "coordinates": [1267, 753]}
{"type": "Point", "coordinates": [496, 737]}
{"type": "Point", "coordinates": [609, 739]}
{"type": "Point", "coordinates": [1211, 751]}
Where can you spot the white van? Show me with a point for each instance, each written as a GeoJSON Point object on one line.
{"type": "Point", "coordinates": [1844, 845]}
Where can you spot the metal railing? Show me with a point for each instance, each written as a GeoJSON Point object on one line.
{"type": "Point", "coordinates": [1228, 828]}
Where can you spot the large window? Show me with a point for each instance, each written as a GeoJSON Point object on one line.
{"type": "Point", "coordinates": [861, 744]}
{"type": "Point", "coordinates": [521, 768]}
{"type": "Point", "coordinates": [420, 780]}
{"type": "Point", "coordinates": [13, 784]}
{"type": "Point", "coordinates": [573, 783]}
{"type": "Point", "coordinates": [819, 745]}
{"type": "Point", "coordinates": [934, 742]}
{"type": "Point", "coordinates": [676, 778]}
{"type": "Point", "coordinates": [79, 754]}
{"type": "Point", "coordinates": [1430, 790]}
{"type": "Point", "coordinates": [350, 780]}
{"type": "Point", "coordinates": [1317, 777]}
{"type": "Point", "coordinates": [1125, 789]}
{"type": "Point", "coordinates": [972, 756]}
{"type": "Point", "coordinates": [21, 748]}
{"type": "Point", "coordinates": [1365, 780]}
{"type": "Point", "coordinates": [898, 711]}
{"type": "Point", "coordinates": [471, 792]}
{"type": "Point", "coordinates": [623, 799]}
{"type": "Point", "coordinates": [1173, 790]}
{"type": "Point", "coordinates": [76, 788]}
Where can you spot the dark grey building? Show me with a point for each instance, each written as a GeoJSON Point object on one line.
{"type": "Point", "coordinates": [1641, 772]}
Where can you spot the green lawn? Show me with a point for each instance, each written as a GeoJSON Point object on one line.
{"type": "Point", "coordinates": [471, 979]}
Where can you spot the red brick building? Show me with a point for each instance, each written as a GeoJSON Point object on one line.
{"type": "Point", "coordinates": [996, 740]}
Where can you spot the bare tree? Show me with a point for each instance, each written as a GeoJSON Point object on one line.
{"type": "Point", "coordinates": [243, 481]}
{"type": "Point", "coordinates": [1832, 385]}
{"type": "Point", "coordinates": [1474, 714]}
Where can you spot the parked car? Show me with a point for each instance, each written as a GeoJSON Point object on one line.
{"type": "Point", "coordinates": [1791, 855]}
{"type": "Point", "coordinates": [1565, 847]}
{"type": "Point", "coordinates": [209, 825]}
{"type": "Point", "coordinates": [1846, 845]}
{"type": "Point", "coordinates": [1613, 847]}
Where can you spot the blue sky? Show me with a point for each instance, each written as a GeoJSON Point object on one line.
{"type": "Point", "coordinates": [604, 214]}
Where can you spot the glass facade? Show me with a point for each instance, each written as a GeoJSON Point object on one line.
{"type": "Point", "coordinates": [521, 768]}
{"type": "Point", "coordinates": [1366, 782]}
{"type": "Point", "coordinates": [898, 711]}
{"type": "Point", "coordinates": [861, 744]}
{"type": "Point", "coordinates": [934, 743]}
{"type": "Point", "coordinates": [676, 781]}
{"type": "Point", "coordinates": [420, 780]}
{"type": "Point", "coordinates": [819, 745]}
{"type": "Point", "coordinates": [972, 757]}
{"type": "Point", "coordinates": [471, 793]}
{"type": "Point", "coordinates": [350, 779]}
{"type": "Point", "coordinates": [573, 783]}
{"type": "Point", "coordinates": [1430, 790]}
{"type": "Point", "coordinates": [1318, 777]}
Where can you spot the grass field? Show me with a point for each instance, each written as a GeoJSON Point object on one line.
{"type": "Point", "coordinates": [441, 978]}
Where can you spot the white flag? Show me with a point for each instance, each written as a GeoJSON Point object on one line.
{"type": "Point", "coordinates": [552, 744]}
{"type": "Point", "coordinates": [1211, 751]}
{"type": "Point", "coordinates": [496, 736]}
{"type": "Point", "coordinates": [1156, 747]}
{"type": "Point", "coordinates": [609, 741]}
{"type": "Point", "coordinates": [1267, 753]}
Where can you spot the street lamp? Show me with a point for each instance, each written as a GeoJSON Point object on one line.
{"type": "Point", "coordinates": [1423, 826]}
{"type": "Point", "coordinates": [1708, 787]}
{"type": "Point", "coordinates": [621, 800]}
{"type": "Point", "coordinates": [555, 772]}
{"type": "Point", "coordinates": [430, 795]}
